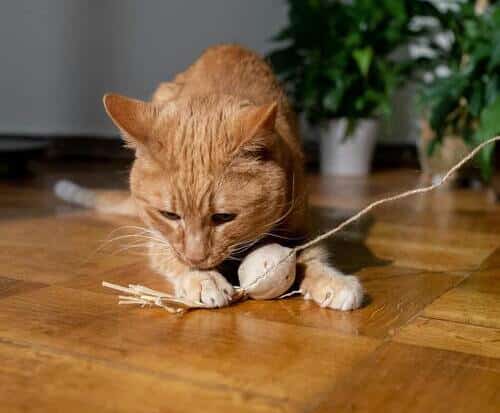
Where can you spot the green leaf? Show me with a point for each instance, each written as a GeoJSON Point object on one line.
{"type": "Point", "coordinates": [363, 58]}
{"type": "Point", "coordinates": [492, 91]}
{"type": "Point", "coordinates": [476, 99]}
{"type": "Point", "coordinates": [495, 52]}
{"type": "Point", "coordinates": [360, 43]}
{"type": "Point", "coordinates": [433, 145]}
{"type": "Point", "coordinates": [284, 60]}
{"type": "Point", "coordinates": [360, 103]}
{"type": "Point", "coordinates": [442, 98]}
{"type": "Point", "coordinates": [489, 126]}
{"type": "Point", "coordinates": [332, 99]}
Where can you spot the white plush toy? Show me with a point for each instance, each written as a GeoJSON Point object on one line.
{"type": "Point", "coordinates": [267, 272]}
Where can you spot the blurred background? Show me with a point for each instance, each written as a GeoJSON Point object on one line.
{"type": "Point", "coordinates": [60, 56]}
{"type": "Point", "coordinates": [378, 84]}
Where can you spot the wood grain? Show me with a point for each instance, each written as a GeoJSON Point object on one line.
{"type": "Point", "coordinates": [10, 286]}
{"type": "Point", "coordinates": [437, 249]}
{"type": "Point", "coordinates": [476, 300]}
{"type": "Point", "coordinates": [402, 378]}
{"type": "Point", "coordinates": [394, 295]}
{"type": "Point", "coordinates": [427, 338]}
{"type": "Point", "coordinates": [246, 354]}
{"type": "Point", "coordinates": [64, 381]}
{"type": "Point", "coordinates": [449, 335]}
{"type": "Point", "coordinates": [49, 250]}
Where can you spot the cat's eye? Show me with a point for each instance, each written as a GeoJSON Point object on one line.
{"type": "Point", "coordinates": [172, 216]}
{"type": "Point", "coordinates": [222, 218]}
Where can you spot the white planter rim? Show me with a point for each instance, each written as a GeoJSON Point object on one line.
{"type": "Point", "coordinates": [348, 154]}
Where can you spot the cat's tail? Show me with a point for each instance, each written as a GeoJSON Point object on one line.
{"type": "Point", "coordinates": [106, 201]}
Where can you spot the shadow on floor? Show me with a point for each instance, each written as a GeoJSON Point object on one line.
{"type": "Point", "coordinates": [348, 250]}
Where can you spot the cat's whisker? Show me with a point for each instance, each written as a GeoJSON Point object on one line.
{"type": "Point", "coordinates": [247, 242]}
{"type": "Point", "coordinates": [293, 203]}
{"type": "Point", "coordinates": [105, 243]}
{"type": "Point", "coordinates": [139, 244]}
{"type": "Point", "coordinates": [110, 239]}
{"type": "Point", "coordinates": [130, 250]}
{"type": "Point", "coordinates": [126, 236]}
{"type": "Point", "coordinates": [270, 234]}
{"type": "Point", "coordinates": [135, 236]}
{"type": "Point", "coordinates": [141, 231]}
{"type": "Point", "coordinates": [240, 247]}
{"type": "Point", "coordinates": [149, 235]}
{"type": "Point", "coordinates": [162, 243]}
{"type": "Point", "coordinates": [245, 245]}
{"type": "Point", "coordinates": [128, 247]}
{"type": "Point", "coordinates": [282, 217]}
{"type": "Point", "coordinates": [134, 253]}
{"type": "Point", "coordinates": [126, 227]}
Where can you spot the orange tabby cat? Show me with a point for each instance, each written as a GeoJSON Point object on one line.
{"type": "Point", "coordinates": [218, 168]}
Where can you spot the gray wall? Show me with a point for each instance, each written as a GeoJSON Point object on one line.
{"type": "Point", "coordinates": [58, 57]}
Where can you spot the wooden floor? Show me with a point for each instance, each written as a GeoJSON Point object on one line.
{"type": "Point", "coordinates": [427, 340]}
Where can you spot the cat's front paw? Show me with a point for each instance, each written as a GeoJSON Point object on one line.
{"type": "Point", "coordinates": [208, 288]}
{"type": "Point", "coordinates": [338, 292]}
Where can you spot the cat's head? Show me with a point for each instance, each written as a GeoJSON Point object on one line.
{"type": "Point", "coordinates": [207, 174]}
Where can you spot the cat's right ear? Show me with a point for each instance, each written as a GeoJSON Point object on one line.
{"type": "Point", "coordinates": [133, 117]}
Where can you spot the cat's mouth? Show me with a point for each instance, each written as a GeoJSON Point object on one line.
{"type": "Point", "coordinates": [206, 264]}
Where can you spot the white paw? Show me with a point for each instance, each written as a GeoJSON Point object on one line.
{"type": "Point", "coordinates": [208, 288]}
{"type": "Point", "coordinates": [347, 297]}
{"type": "Point", "coordinates": [339, 292]}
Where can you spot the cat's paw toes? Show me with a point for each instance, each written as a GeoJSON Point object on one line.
{"type": "Point", "coordinates": [208, 288]}
{"type": "Point", "coordinates": [349, 296]}
{"type": "Point", "coordinates": [340, 293]}
{"type": "Point", "coordinates": [216, 293]}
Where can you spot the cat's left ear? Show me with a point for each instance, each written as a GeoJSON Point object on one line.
{"type": "Point", "coordinates": [258, 127]}
{"type": "Point", "coordinates": [260, 119]}
{"type": "Point", "coordinates": [133, 117]}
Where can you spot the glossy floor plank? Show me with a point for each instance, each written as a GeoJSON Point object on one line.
{"type": "Point", "coordinates": [402, 378]}
{"type": "Point", "coordinates": [92, 385]}
{"type": "Point", "coordinates": [394, 295]}
{"type": "Point", "coordinates": [450, 335]}
{"type": "Point", "coordinates": [246, 354]}
{"type": "Point", "coordinates": [476, 301]}
{"type": "Point", "coordinates": [427, 331]}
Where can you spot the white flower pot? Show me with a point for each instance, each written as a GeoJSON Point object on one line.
{"type": "Point", "coordinates": [348, 155]}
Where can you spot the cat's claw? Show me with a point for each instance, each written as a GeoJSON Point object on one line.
{"type": "Point", "coordinates": [207, 288]}
{"type": "Point", "coordinates": [348, 297]}
{"type": "Point", "coordinates": [339, 293]}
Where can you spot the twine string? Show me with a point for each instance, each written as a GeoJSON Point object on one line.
{"type": "Point", "coordinates": [146, 296]}
{"type": "Point", "coordinates": [375, 204]}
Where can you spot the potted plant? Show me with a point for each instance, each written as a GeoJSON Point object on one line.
{"type": "Point", "coordinates": [338, 60]}
{"type": "Point", "coordinates": [462, 103]}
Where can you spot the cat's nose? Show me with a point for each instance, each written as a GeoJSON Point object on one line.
{"type": "Point", "coordinates": [195, 251]}
{"type": "Point", "coordinates": [196, 258]}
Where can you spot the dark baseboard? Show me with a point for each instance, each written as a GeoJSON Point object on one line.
{"type": "Point", "coordinates": [402, 155]}
{"type": "Point", "coordinates": [89, 147]}
{"type": "Point", "coordinates": [94, 147]}
{"type": "Point", "coordinates": [81, 147]}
